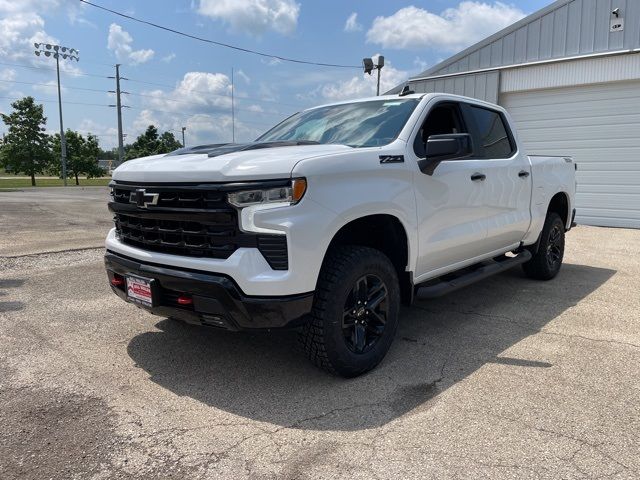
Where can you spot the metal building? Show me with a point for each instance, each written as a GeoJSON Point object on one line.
{"type": "Point", "coordinates": [569, 75]}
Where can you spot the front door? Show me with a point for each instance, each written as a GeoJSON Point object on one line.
{"type": "Point", "coordinates": [452, 224]}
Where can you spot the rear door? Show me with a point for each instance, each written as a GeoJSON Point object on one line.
{"type": "Point", "coordinates": [452, 224]}
{"type": "Point", "coordinates": [507, 186]}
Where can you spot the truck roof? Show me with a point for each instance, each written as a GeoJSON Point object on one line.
{"type": "Point", "coordinates": [370, 99]}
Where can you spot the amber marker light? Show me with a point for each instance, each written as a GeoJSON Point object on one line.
{"type": "Point", "coordinates": [298, 188]}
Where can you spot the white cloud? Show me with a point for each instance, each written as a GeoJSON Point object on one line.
{"type": "Point", "coordinates": [358, 86]}
{"type": "Point", "coordinates": [243, 76]}
{"type": "Point", "coordinates": [168, 58]}
{"type": "Point", "coordinates": [21, 28]}
{"type": "Point", "coordinates": [454, 29]}
{"type": "Point", "coordinates": [27, 6]}
{"type": "Point", "coordinates": [271, 62]}
{"type": "Point", "coordinates": [19, 31]}
{"type": "Point", "coordinates": [201, 101]}
{"type": "Point", "coordinates": [420, 64]}
{"type": "Point", "coordinates": [75, 14]}
{"type": "Point", "coordinates": [107, 136]}
{"type": "Point", "coordinates": [254, 16]}
{"type": "Point", "coordinates": [119, 41]}
{"type": "Point", "coordinates": [352, 25]}
{"type": "Point", "coordinates": [6, 76]}
{"type": "Point", "coordinates": [196, 92]}
{"type": "Point", "coordinates": [141, 56]}
{"type": "Point", "coordinates": [49, 88]}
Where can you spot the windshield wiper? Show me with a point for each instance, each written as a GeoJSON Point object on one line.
{"type": "Point", "coordinates": [239, 147]}
{"type": "Point", "coordinates": [280, 143]}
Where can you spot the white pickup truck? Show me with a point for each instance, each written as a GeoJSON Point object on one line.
{"type": "Point", "coordinates": [334, 217]}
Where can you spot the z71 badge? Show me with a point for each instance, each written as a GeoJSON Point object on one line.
{"type": "Point", "coordinates": [391, 158]}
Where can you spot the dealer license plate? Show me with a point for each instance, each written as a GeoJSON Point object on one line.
{"type": "Point", "coordinates": [140, 291]}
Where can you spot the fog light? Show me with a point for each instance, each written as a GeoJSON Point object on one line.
{"type": "Point", "coordinates": [184, 300]}
{"type": "Point", "coordinates": [117, 281]}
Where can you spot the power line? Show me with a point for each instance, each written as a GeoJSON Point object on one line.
{"type": "Point", "coordinates": [56, 101]}
{"type": "Point", "coordinates": [253, 99]}
{"type": "Point", "coordinates": [142, 82]}
{"type": "Point", "coordinates": [187, 102]}
{"type": "Point", "coordinates": [52, 85]}
{"type": "Point", "coordinates": [187, 116]}
{"type": "Point", "coordinates": [51, 69]}
{"type": "Point", "coordinates": [220, 44]}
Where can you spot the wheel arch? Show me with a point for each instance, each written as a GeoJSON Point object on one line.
{"type": "Point", "coordinates": [559, 204]}
{"type": "Point", "coordinates": [385, 233]}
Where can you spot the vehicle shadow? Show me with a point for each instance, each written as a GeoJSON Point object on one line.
{"type": "Point", "coordinates": [439, 342]}
{"type": "Point", "coordinates": [5, 284]}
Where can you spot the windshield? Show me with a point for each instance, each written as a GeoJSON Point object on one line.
{"type": "Point", "coordinates": [361, 124]}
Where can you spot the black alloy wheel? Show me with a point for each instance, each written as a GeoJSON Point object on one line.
{"type": "Point", "coordinates": [355, 312]}
{"type": "Point", "coordinates": [547, 258]}
{"type": "Point", "coordinates": [365, 314]}
{"type": "Point", "coordinates": [555, 247]}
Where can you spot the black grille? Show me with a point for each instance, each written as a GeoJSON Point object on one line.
{"type": "Point", "coordinates": [177, 198]}
{"type": "Point", "coordinates": [188, 220]}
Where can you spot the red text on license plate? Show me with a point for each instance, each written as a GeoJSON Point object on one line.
{"type": "Point", "coordinates": [139, 289]}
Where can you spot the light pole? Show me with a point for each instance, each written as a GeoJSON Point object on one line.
{"type": "Point", "coordinates": [369, 66]}
{"type": "Point", "coordinates": [183, 129]}
{"type": "Point", "coordinates": [57, 51]}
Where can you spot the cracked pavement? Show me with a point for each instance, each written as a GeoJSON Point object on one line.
{"type": "Point", "coordinates": [509, 378]}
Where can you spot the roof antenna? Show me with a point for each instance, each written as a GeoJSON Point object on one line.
{"type": "Point", "coordinates": [406, 91]}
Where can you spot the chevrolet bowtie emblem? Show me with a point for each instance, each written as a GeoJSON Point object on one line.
{"type": "Point", "coordinates": [143, 199]}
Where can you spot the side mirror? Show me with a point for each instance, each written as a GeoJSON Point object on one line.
{"type": "Point", "coordinates": [438, 148]}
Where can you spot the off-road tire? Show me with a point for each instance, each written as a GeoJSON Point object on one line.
{"type": "Point", "coordinates": [546, 262]}
{"type": "Point", "coordinates": [323, 337]}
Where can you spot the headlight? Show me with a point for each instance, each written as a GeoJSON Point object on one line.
{"type": "Point", "coordinates": [289, 195]}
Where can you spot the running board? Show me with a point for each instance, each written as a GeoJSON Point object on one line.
{"type": "Point", "coordinates": [462, 278]}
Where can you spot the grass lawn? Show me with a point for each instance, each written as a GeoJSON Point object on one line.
{"type": "Point", "coordinates": [20, 182]}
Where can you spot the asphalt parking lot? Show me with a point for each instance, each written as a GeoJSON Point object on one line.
{"type": "Point", "coordinates": [510, 378]}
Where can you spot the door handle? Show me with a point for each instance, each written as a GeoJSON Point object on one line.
{"type": "Point", "coordinates": [523, 174]}
{"type": "Point", "coordinates": [478, 177]}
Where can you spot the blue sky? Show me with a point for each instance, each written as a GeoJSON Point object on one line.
{"type": "Point", "coordinates": [176, 81]}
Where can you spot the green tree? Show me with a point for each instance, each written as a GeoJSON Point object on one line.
{"type": "Point", "coordinates": [108, 154]}
{"type": "Point", "coordinates": [169, 143]}
{"type": "Point", "coordinates": [151, 143]}
{"type": "Point", "coordinates": [82, 155]}
{"type": "Point", "coordinates": [26, 148]}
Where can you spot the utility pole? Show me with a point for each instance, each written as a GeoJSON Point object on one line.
{"type": "Point", "coordinates": [183, 144]}
{"type": "Point", "coordinates": [58, 51]}
{"type": "Point", "coordinates": [119, 108]}
{"type": "Point", "coordinates": [233, 114]}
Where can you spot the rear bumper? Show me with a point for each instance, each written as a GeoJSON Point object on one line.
{"type": "Point", "coordinates": [217, 300]}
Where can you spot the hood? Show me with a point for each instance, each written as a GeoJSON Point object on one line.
{"type": "Point", "coordinates": [241, 163]}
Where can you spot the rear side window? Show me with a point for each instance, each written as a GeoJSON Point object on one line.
{"type": "Point", "coordinates": [492, 133]}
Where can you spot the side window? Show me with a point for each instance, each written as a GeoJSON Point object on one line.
{"type": "Point", "coordinates": [492, 133]}
{"type": "Point", "coordinates": [442, 119]}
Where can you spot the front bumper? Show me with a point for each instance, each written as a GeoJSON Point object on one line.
{"type": "Point", "coordinates": [217, 300]}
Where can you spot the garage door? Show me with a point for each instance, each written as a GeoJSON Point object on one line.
{"type": "Point", "coordinates": [599, 126]}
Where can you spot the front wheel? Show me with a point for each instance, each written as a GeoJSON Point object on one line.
{"type": "Point", "coordinates": [355, 313]}
{"type": "Point", "coordinates": [546, 263]}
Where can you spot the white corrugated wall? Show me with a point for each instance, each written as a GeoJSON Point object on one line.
{"type": "Point", "coordinates": [599, 125]}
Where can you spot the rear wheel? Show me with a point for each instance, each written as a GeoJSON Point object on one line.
{"type": "Point", "coordinates": [546, 263]}
{"type": "Point", "coordinates": [355, 313]}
